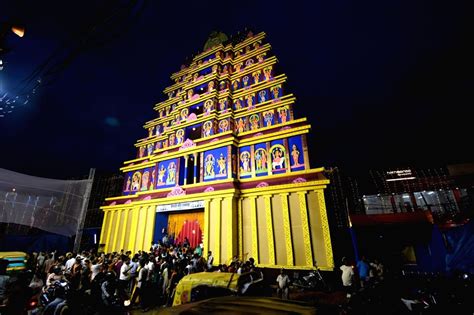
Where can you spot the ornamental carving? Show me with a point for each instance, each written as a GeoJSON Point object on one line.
{"type": "Point", "coordinates": [299, 180]}
{"type": "Point", "coordinates": [176, 191]}
{"type": "Point", "coordinates": [214, 140]}
{"type": "Point", "coordinates": [164, 153]}
{"type": "Point", "coordinates": [209, 189]}
{"type": "Point", "coordinates": [192, 117]}
{"type": "Point", "coordinates": [147, 198]}
{"type": "Point", "coordinates": [128, 201]}
{"type": "Point", "coordinates": [258, 134]}
{"type": "Point", "coordinates": [113, 203]}
{"type": "Point", "coordinates": [285, 128]}
{"type": "Point", "coordinates": [187, 144]}
{"type": "Point", "coordinates": [262, 184]}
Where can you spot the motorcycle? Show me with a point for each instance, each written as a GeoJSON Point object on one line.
{"type": "Point", "coordinates": [312, 281]}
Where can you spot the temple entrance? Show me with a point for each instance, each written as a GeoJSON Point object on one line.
{"type": "Point", "coordinates": [179, 225]}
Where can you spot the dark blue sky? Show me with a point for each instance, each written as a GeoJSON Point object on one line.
{"type": "Point", "coordinates": [384, 83]}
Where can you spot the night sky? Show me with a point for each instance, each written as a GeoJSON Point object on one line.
{"type": "Point", "coordinates": [383, 83]}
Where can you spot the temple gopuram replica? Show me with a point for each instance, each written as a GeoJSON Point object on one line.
{"type": "Point", "coordinates": [225, 163]}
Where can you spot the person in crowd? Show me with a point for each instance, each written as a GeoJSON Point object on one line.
{"type": "Point", "coordinates": [283, 285]}
{"type": "Point", "coordinates": [124, 278]}
{"type": "Point", "coordinates": [142, 286]}
{"type": "Point", "coordinates": [347, 276]}
{"type": "Point", "coordinates": [4, 279]}
{"type": "Point", "coordinates": [210, 260]}
{"type": "Point", "coordinates": [363, 269]}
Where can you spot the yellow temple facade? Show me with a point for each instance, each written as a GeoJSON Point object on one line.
{"type": "Point", "coordinates": [225, 164]}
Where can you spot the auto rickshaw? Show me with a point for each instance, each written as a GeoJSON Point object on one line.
{"type": "Point", "coordinates": [204, 285]}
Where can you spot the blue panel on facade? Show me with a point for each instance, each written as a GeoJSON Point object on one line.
{"type": "Point", "coordinates": [245, 162]}
{"type": "Point", "coordinates": [215, 164]}
{"type": "Point", "coordinates": [167, 173]}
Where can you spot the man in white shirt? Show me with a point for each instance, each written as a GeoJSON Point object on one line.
{"type": "Point", "coordinates": [347, 276]}
{"type": "Point", "coordinates": [124, 277]}
{"type": "Point", "coordinates": [283, 285]}
{"type": "Point", "coordinates": [69, 263]}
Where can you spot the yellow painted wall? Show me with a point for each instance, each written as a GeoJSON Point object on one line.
{"type": "Point", "coordinates": [277, 227]}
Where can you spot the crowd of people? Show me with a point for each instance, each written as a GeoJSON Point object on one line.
{"type": "Point", "coordinates": [361, 275]}
{"type": "Point", "coordinates": [105, 281]}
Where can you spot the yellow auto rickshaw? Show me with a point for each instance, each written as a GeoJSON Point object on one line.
{"type": "Point", "coordinates": [16, 260]}
{"type": "Point", "coordinates": [204, 285]}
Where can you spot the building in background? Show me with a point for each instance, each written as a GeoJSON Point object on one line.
{"type": "Point", "coordinates": [225, 163]}
{"type": "Point", "coordinates": [414, 216]}
{"type": "Point", "coordinates": [105, 185]}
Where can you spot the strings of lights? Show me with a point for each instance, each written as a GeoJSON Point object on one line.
{"type": "Point", "coordinates": [107, 24]}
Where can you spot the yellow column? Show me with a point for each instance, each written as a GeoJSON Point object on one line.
{"type": "Point", "coordinates": [287, 229]}
{"type": "Point", "coordinates": [133, 229]}
{"type": "Point", "coordinates": [109, 231]}
{"type": "Point", "coordinates": [185, 169]}
{"type": "Point", "coordinates": [141, 227]}
{"type": "Point", "coordinates": [150, 227]}
{"type": "Point", "coordinates": [270, 236]}
{"type": "Point", "coordinates": [122, 241]}
{"type": "Point", "coordinates": [217, 230]}
{"type": "Point", "coordinates": [206, 227]}
{"type": "Point", "coordinates": [253, 222]}
{"type": "Point", "coordinates": [105, 224]}
{"type": "Point", "coordinates": [325, 227]}
{"type": "Point", "coordinates": [230, 228]}
{"type": "Point", "coordinates": [304, 224]}
{"type": "Point", "coordinates": [118, 214]}
{"type": "Point", "coordinates": [240, 228]}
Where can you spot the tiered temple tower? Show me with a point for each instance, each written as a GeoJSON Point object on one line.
{"type": "Point", "coordinates": [225, 163]}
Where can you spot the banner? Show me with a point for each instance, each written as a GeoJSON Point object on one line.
{"type": "Point", "coordinates": [48, 204]}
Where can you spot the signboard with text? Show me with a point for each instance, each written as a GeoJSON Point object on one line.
{"type": "Point", "coordinates": [181, 206]}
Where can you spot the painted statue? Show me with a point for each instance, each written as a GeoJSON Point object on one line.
{"type": "Point", "coordinates": [267, 73]}
{"type": "Point", "coordinates": [246, 81]}
{"type": "Point", "coordinates": [184, 113]}
{"type": "Point", "coordinates": [254, 122]}
{"type": "Point", "coordinates": [295, 154]}
{"type": "Point", "coordinates": [180, 136]}
{"type": "Point", "coordinates": [224, 125]}
{"type": "Point", "coordinates": [256, 77]}
{"type": "Point", "coordinates": [261, 160]}
{"type": "Point", "coordinates": [276, 91]}
{"type": "Point", "coordinates": [235, 85]}
{"type": "Point", "coordinates": [260, 58]}
{"type": "Point", "coordinates": [129, 182]}
{"type": "Point", "coordinates": [283, 113]}
{"type": "Point", "coordinates": [172, 139]}
{"type": "Point", "coordinates": [221, 162]}
{"type": "Point", "coordinates": [161, 175]}
{"type": "Point", "coordinates": [150, 132]}
{"type": "Point", "coordinates": [240, 126]}
{"type": "Point", "coordinates": [238, 67]}
{"type": "Point", "coordinates": [215, 68]}
{"type": "Point", "coordinates": [157, 130]}
{"type": "Point", "coordinates": [278, 158]}
{"type": "Point", "coordinates": [237, 104]}
{"type": "Point", "coordinates": [210, 86]}
{"type": "Point", "coordinates": [171, 179]}
{"type": "Point", "coordinates": [208, 106]}
{"type": "Point", "coordinates": [207, 128]}
{"type": "Point", "coordinates": [268, 118]}
{"type": "Point", "coordinates": [152, 181]}
{"type": "Point", "coordinates": [249, 99]}
{"type": "Point", "coordinates": [223, 104]}
{"type": "Point", "coordinates": [145, 180]}
{"type": "Point", "coordinates": [249, 62]}
{"type": "Point", "coordinates": [190, 94]}
{"type": "Point", "coordinates": [222, 85]}
{"type": "Point", "coordinates": [141, 152]}
{"type": "Point", "coordinates": [137, 176]}
{"type": "Point", "coordinates": [150, 148]}
{"type": "Point", "coordinates": [209, 163]}
{"type": "Point", "coordinates": [245, 162]}
{"type": "Point", "coordinates": [263, 96]}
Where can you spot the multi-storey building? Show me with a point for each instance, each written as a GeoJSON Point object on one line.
{"type": "Point", "coordinates": [225, 163]}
